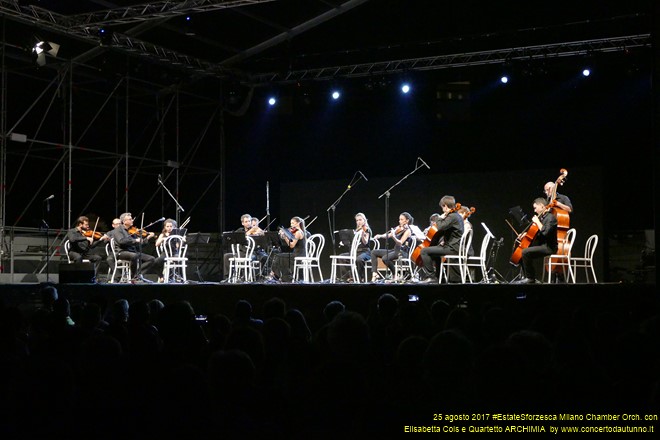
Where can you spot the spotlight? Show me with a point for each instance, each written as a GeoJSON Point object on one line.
{"type": "Point", "coordinates": [405, 88]}
{"type": "Point", "coordinates": [336, 94]}
{"type": "Point", "coordinates": [586, 72]}
{"type": "Point", "coordinates": [504, 79]}
{"type": "Point", "coordinates": [272, 101]}
{"type": "Point", "coordinates": [43, 48]}
{"type": "Point", "coordinates": [105, 36]}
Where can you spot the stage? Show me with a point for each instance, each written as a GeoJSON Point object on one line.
{"type": "Point", "coordinates": [637, 300]}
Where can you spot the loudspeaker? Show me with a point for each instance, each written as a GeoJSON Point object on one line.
{"type": "Point", "coordinates": [76, 272]}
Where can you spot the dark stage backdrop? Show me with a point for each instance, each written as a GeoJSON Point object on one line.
{"type": "Point", "coordinates": [491, 193]}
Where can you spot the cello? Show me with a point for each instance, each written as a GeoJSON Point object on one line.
{"type": "Point", "coordinates": [416, 255]}
{"type": "Point", "coordinates": [525, 239]}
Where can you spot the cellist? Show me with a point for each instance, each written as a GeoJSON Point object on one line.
{"type": "Point", "coordinates": [450, 230]}
{"type": "Point", "coordinates": [544, 242]}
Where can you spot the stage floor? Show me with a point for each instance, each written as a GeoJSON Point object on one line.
{"type": "Point", "coordinates": [214, 298]}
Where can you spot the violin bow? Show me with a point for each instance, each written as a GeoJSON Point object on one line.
{"type": "Point", "coordinates": [95, 225]}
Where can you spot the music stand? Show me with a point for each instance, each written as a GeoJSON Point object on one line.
{"type": "Point", "coordinates": [197, 239]}
{"type": "Point", "coordinates": [179, 231]}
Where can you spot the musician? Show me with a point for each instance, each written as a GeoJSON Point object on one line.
{"type": "Point", "coordinates": [254, 230]}
{"type": "Point", "coordinates": [168, 225]}
{"type": "Point", "coordinates": [433, 221]}
{"type": "Point", "coordinates": [450, 230]}
{"type": "Point", "coordinates": [363, 252]}
{"type": "Point", "coordinates": [562, 201]}
{"type": "Point", "coordinates": [544, 242]}
{"type": "Point", "coordinates": [402, 239]}
{"type": "Point", "coordinates": [129, 246]}
{"type": "Point", "coordinates": [467, 226]}
{"type": "Point", "coordinates": [295, 238]}
{"type": "Point", "coordinates": [82, 246]}
{"type": "Point", "coordinates": [246, 226]}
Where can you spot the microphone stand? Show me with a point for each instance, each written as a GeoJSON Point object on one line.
{"type": "Point", "coordinates": [44, 225]}
{"type": "Point", "coordinates": [387, 202]}
{"type": "Point", "coordinates": [331, 219]}
{"type": "Point", "coordinates": [178, 206]}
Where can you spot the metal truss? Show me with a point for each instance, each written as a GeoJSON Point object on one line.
{"type": "Point", "coordinates": [123, 15]}
{"type": "Point", "coordinates": [86, 26]}
{"type": "Point", "coordinates": [498, 56]}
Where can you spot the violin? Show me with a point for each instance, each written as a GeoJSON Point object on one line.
{"type": "Point", "coordinates": [133, 230]}
{"type": "Point", "coordinates": [94, 234]}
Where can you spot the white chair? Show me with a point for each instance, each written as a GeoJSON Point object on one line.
{"type": "Point", "coordinates": [347, 260]}
{"type": "Point", "coordinates": [240, 265]}
{"type": "Point", "coordinates": [458, 260]}
{"type": "Point", "coordinates": [123, 266]}
{"type": "Point", "coordinates": [586, 261]}
{"type": "Point", "coordinates": [373, 245]}
{"type": "Point", "coordinates": [174, 267]}
{"type": "Point", "coordinates": [480, 260]}
{"type": "Point", "coordinates": [552, 263]}
{"type": "Point", "coordinates": [312, 261]}
{"type": "Point", "coordinates": [404, 267]}
{"type": "Point", "coordinates": [67, 248]}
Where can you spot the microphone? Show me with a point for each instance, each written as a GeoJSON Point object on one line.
{"type": "Point", "coordinates": [363, 176]}
{"type": "Point", "coordinates": [52, 196]}
{"type": "Point", "coordinates": [162, 219]}
{"type": "Point", "coordinates": [425, 164]}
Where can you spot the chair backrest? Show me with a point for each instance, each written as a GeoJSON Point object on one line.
{"type": "Point", "coordinates": [568, 241]}
{"type": "Point", "coordinates": [590, 247]}
{"type": "Point", "coordinates": [174, 246]}
{"type": "Point", "coordinates": [374, 244]}
{"type": "Point", "coordinates": [248, 250]}
{"type": "Point", "coordinates": [484, 246]}
{"type": "Point", "coordinates": [113, 248]}
{"type": "Point", "coordinates": [413, 245]}
{"type": "Point", "coordinates": [67, 247]}
{"type": "Point", "coordinates": [318, 242]}
{"type": "Point", "coordinates": [466, 241]}
{"type": "Point", "coordinates": [355, 243]}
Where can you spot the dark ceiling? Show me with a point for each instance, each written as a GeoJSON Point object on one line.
{"type": "Point", "coordinates": [251, 39]}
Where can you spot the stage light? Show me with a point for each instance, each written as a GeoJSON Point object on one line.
{"type": "Point", "coordinates": [586, 72]}
{"type": "Point", "coordinates": [504, 79]}
{"type": "Point", "coordinates": [336, 94]}
{"type": "Point", "coordinates": [272, 101]}
{"type": "Point", "coordinates": [405, 88]}
{"type": "Point", "coordinates": [43, 48]}
{"type": "Point", "coordinates": [105, 36]}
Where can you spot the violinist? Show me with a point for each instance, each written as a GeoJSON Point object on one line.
{"type": "Point", "coordinates": [363, 252]}
{"type": "Point", "coordinates": [294, 238]}
{"type": "Point", "coordinates": [254, 230]}
{"type": "Point", "coordinates": [168, 225]}
{"type": "Point", "coordinates": [450, 228]}
{"type": "Point", "coordinates": [129, 241]}
{"type": "Point", "coordinates": [401, 236]}
{"type": "Point", "coordinates": [83, 242]}
{"type": "Point", "coordinates": [544, 242]}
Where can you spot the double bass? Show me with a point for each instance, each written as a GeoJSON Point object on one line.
{"type": "Point", "coordinates": [525, 239]}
